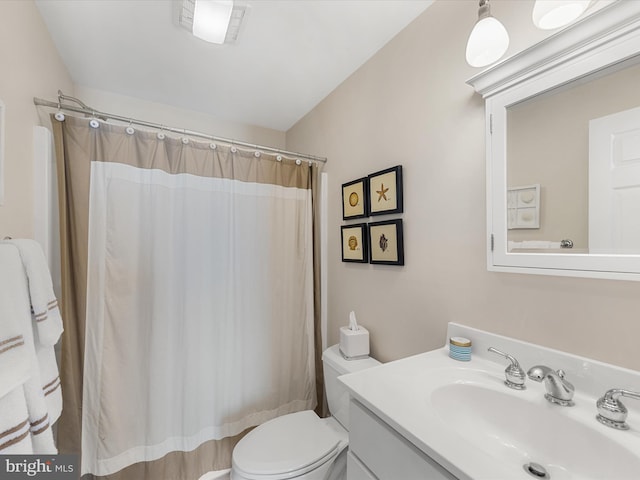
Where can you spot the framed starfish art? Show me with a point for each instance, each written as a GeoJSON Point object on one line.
{"type": "Point", "coordinates": [385, 191]}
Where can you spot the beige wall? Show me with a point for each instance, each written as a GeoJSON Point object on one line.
{"type": "Point", "coordinates": [177, 117]}
{"type": "Point", "coordinates": [410, 105]}
{"type": "Point", "coordinates": [30, 67]}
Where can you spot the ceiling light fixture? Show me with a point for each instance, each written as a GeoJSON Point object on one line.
{"type": "Point", "coordinates": [211, 20]}
{"type": "Point", "coordinates": [488, 40]}
{"type": "Point", "coordinates": [214, 21]}
{"type": "Point", "coordinates": [550, 14]}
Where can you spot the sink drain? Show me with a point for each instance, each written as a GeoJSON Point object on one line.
{"type": "Point", "coordinates": [536, 470]}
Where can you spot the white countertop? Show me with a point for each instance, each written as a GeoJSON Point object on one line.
{"type": "Point", "coordinates": [411, 396]}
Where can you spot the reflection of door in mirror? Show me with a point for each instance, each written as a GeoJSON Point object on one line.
{"type": "Point", "coordinates": [548, 144]}
{"type": "Point", "coordinates": [614, 183]}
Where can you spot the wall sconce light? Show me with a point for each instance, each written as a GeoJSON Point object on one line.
{"type": "Point", "coordinates": [550, 14]}
{"type": "Point", "coordinates": [488, 40]}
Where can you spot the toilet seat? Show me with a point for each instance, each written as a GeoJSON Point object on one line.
{"type": "Point", "coordinates": [288, 446]}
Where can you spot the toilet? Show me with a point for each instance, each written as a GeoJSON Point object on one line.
{"type": "Point", "coordinates": [302, 445]}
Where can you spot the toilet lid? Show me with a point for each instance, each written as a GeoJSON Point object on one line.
{"type": "Point", "coordinates": [293, 443]}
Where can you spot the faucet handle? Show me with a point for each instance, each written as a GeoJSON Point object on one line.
{"type": "Point", "coordinates": [514, 374]}
{"type": "Point", "coordinates": [611, 411]}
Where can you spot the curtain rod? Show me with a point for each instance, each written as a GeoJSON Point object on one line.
{"type": "Point", "coordinates": [105, 116]}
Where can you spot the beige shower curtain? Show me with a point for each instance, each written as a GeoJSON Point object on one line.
{"type": "Point", "coordinates": [76, 146]}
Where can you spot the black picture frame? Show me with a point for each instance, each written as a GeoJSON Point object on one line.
{"type": "Point", "coordinates": [355, 199]}
{"type": "Point", "coordinates": [386, 242]}
{"type": "Point", "coordinates": [385, 191]}
{"type": "Point", "coordinates": [355, 243]}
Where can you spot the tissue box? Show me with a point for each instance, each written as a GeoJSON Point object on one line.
{"type": "Point", "coordinates": [354, 343]}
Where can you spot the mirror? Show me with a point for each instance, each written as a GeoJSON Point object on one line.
{"type": "Point", "coordinates": [563, 141]}
{"type": "Point", "coordinates": [563, 151]}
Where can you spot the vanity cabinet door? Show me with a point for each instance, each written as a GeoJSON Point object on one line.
{"type": "Point", "coordinates": [385, 452]}
{"type": "Point", "coordinates": [356, 470]}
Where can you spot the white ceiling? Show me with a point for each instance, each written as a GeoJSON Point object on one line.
{"type": "Point", "coordinates": [288, 57]}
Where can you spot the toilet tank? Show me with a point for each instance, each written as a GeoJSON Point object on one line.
{"type": "Point", "coordinates": [337, 395]}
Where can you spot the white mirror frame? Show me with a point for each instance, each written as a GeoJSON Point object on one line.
{"type": "Point", "coordinates": [607, 38]}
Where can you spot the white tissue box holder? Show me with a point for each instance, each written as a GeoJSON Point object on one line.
{"type": "Point", "coordinates": [354, 344]}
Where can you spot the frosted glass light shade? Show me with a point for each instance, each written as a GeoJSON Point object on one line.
{"type": "Point", "coordinates": [487, 43]}
{"type": "Point", "coordinates": [211, 20]}
{"type": "Point", "coordinates": [550, 14]}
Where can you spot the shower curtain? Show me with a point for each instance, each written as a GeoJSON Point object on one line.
{"type": "Point", "coordinates": [188, 271]}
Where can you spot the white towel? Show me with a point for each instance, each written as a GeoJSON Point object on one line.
{"type": "Point", "coordinates": [15, 366]}
{"type": "Point", "coordinates": [34, 392]}
{"type": "Point", "coordinates": [14, 424]}
{"type": "Point", "coordinates": [17, 361]}
{"type": "Point", "coordinates": [533, 245]}
{"type": "Point", "coordinates": [50, 380]}
{"type": "Point", "coordinates": [43, 300]}
{"type": "Point", "coordinates": [40, 426]}
{"type": "Point", "coordinates": [47, 322]}
{"type": "Point", "coordinates": [16, 305]}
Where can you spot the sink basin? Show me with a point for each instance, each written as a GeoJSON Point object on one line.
{"type": "Point", "coordinates": [515, 430]}
{"type": "Point", "coordinates": [463, 417]}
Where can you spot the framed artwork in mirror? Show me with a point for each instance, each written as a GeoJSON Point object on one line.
{"type": "Point", "coordinates": [354, 243]}
{"type": "Point", "coordinates": [386, 243]}
{"type": "Point", "coordinates": [385, 191]}
{"type": "Point", "coordinates": [355, 199]}
{"type": "Point", "coordinates": [523, 207]}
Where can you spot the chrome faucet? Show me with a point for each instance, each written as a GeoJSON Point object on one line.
{"type": "Point", "coordinates": [559, 390]}
{"type": "Point", "coordinates": [514, 374]}
{"type": "Point", "coordinates": [611, 411]}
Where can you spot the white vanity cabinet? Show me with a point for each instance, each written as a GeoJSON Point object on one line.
{"type": "Point", "coordinates": [378, 452]}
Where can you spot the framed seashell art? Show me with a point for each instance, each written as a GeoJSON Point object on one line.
{"type": "Point", "coordinates": [355, 196]}
{"type": "Point", "coordinates": [523, 207]}
{"type": "Point", "coordinates": [354, 243]}
{"type": "Point", "coordinates": [386, 242]}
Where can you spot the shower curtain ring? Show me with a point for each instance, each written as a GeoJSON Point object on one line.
{"type": "Point", "coordinates": [161, 134]}
{"type": "Point", "coordinates": [93, 123]}
{"type": "Point", "coordinates": [130, 130]}
{"type": "Point", "coordinates": [59, 115]}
